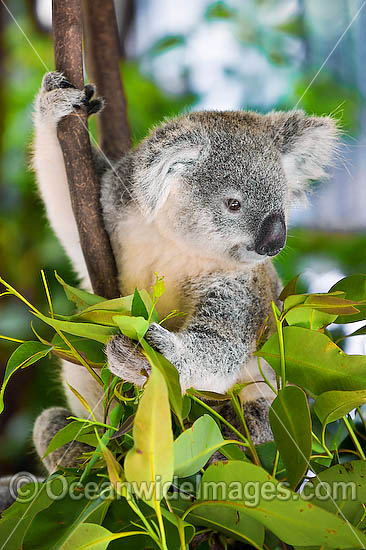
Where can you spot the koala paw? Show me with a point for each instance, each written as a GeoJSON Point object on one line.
{"type": "Point", "coordinates": [161, 340]}
{"type": "Point", "coordinates": [126, 360]}
{"type": "Point", "coordinates": [58, 98]}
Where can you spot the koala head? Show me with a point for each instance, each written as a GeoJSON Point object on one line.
{"type": "Point", "coordinates": [223, 182]}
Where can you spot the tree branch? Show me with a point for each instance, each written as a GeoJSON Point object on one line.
{"type": "Point", "coordinates": [74, 140]}
{"type": "Point", "coordinates": [103, 61]}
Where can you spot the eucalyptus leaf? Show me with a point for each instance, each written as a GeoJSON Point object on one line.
{"type": "Point", "coordinates": [354, 288]}
{"type": "Point", "coordinates": [132, 327]}
{"type": "Point", "coordinates": [138, 308]}
{"type": "Point", "coordinates": [289, 416]}
{"type": "Point", "coordinates": [307, 317]}
{"type": "Point", "coordinates": [87, 330]}
{"type": "Point", "coordinates": [332, 405]}
{"type": "Point", "coordinates": [291, 519]}
{"type": "Point", "coordinates": [171, 377]}
{"type": "Point", "coordinates": [66, 434]}
{"type": "Point", "coordinates": [194, 447]}
{"type": "Point", "coordinates": [25, 355]}
{"type": "Point", "coordinates": [80, 297]}
{"type": "Point", "coordinates": [150, 462]}
{"type": "Point", "coordinates": [314, 362]}
{"type": "Point", "coordinates": [224, 519]}
{"type": "Point", "coordinates": [340, 489]}
{"type": "Point", "coordinates": [17, 520]}
{"type": "Point", "coordinates": [289, 289]}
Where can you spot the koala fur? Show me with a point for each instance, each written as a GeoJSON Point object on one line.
{"type": "Point", "coordinates": [166, 207]}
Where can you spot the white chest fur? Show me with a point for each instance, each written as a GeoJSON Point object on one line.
{"type": "Point", "coordinates": [142, 251]}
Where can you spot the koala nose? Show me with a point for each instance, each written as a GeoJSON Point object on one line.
{"type": "Point", "coordinates": [271, 237]}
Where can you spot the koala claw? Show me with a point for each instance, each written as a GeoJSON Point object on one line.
{"type": "Point", "coordinates": [126, 360]}
{"type": "Point", "coordinates": [58, 97]}
{"type": "Point", "coordinates": [158, 337]}
{"type": "Point", "coordinates": [52, 81]}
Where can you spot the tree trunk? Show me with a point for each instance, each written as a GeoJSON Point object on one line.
{"type": "Point", "coordinates": [74, 140]}
{"type": "Point", "coordinates": [103, 60]}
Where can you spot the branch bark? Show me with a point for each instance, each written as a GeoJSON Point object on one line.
{"type": "Point", "coordinates": [75, 144]}
{"type": "Point", "coordinates": [103, 61]}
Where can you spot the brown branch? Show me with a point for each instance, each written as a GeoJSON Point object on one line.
{"type": "Point", "coordinates": [103, 61]}
{"type": "Point", "coordinates": [74, 140]}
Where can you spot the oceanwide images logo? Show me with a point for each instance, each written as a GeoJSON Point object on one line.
{"type": "Point", "coordinates": [25, 487]}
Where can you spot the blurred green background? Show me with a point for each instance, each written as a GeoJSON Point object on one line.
{"type": "Point", "coordinates": [181, 55]}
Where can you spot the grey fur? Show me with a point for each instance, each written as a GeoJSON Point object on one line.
{"type": "Point", "coordinates": [174, 188]}
{"type": "Point", "coordinates": [46, 426]}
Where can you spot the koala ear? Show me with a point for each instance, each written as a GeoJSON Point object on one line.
{"type": "Point", "coordinates": [156, 176]}
{"type": "Point", "coordinates": [307, 145]}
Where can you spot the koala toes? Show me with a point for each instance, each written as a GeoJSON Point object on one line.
{"type": "Point", "coordinates": [126, 360]}
{"type": "Point", "coordinates": [59, 98]}
{"type": "Point", "coordinates": [54, 80]}
{"type": "Point", "coordinates": [158, 337]}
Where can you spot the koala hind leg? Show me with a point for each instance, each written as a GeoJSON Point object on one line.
{"type": "Point", "coordinates": [48, 423]}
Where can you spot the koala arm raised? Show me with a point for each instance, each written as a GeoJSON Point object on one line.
{"type": "Point", "coordinates": [56, 99]}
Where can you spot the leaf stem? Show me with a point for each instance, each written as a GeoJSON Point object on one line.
{"type": "Point", "coordinates": [322, 442]}
{"type": "Point", "coordinates": [238, 408]}
{"type": "Point", "coordinates": [281, 343]}
{"type": "Point", "coordinates": [265, 377]}
{"type": "Point", "coordinates": [275, 463]}
{"type": "Point", "coordinates": [217, 415]}
{"type": "Point", "coordinates": [354, 437]}
{"type": "Point", "coordinates": [161, 523]}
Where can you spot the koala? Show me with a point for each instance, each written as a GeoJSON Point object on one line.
{"type": "Point", "coordinates": [204, 200]}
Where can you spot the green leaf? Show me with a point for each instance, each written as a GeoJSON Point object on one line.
{"type": "Point", "coordinates": [25, 355]}
{"type": "Point", "coordinates": [103, 312]}
{"type": "Point", "coordinates": [360, 332]}
{"type": "Point", "coordinates": [132, 327]}
{"type": "Point", "coordinates": [150, 462]}
{"type": "Point", "coordinates": [89, 536]}
{"type": "Point", "coordinates": [87, 330]}
{"type": "Point", "coordinates": [354, 287]}
{"type": "Point", "coordinates": [282, 511]}
{"type": "Point", "coordinates": [219, 10]}
{"type": "Point", "coordinates": [68, 433]}
{"type": "Point", "coordinates": [90, 350]}
{"type": "Point", "coordinates": [224, 519]}
{"type": "Point", "coordinates": [17, 519]}
{"type": "Point", "coordinates": [210, 395]}
{"type": "Point", "coordinates": [332, 405]}
{"type": "Point", "coordinates": [138, 308]}
{"type": "Point", "coordinates": [314, 362]}
{"type": "Point", "coordinates": [194, 447]}
{"type": "Point", "coordinates": [289, 416]}
{"type": "Point", "coordinates": [167, 43]}
{"type": "Point", "coordinates": [340, 489]}
{"type": "Point", "coordinates": [294, 26]}
{"type": "Point", "coordinates": [120, 518]}
{"type": "Point", "coordinates": [267, 453]}
{"type": "Point", "coordinates": [54, 526]}
{"type": "Point", "coordinates": [289, 289]}
{"type": "Point", "coordinates": [308, 317]}
{"type": "Point", "coordinates": [171, 377]}
{"type": "Point", "coordinates": [332, 304]}
{"type": "Point", "coordinates": [80, 297]}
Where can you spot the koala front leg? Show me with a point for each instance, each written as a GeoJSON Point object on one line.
{"type": "Point", "coordinates": [56, 99]}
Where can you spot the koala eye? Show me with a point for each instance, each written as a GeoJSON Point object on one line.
{"type": "Point", "coordinates": [233, 205]}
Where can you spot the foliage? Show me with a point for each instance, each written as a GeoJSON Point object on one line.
{"type": "Point", "coordinates": [159, 486]}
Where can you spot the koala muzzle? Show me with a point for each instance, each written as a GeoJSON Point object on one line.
{"type": "Point", "coordinates": [271, 237]}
